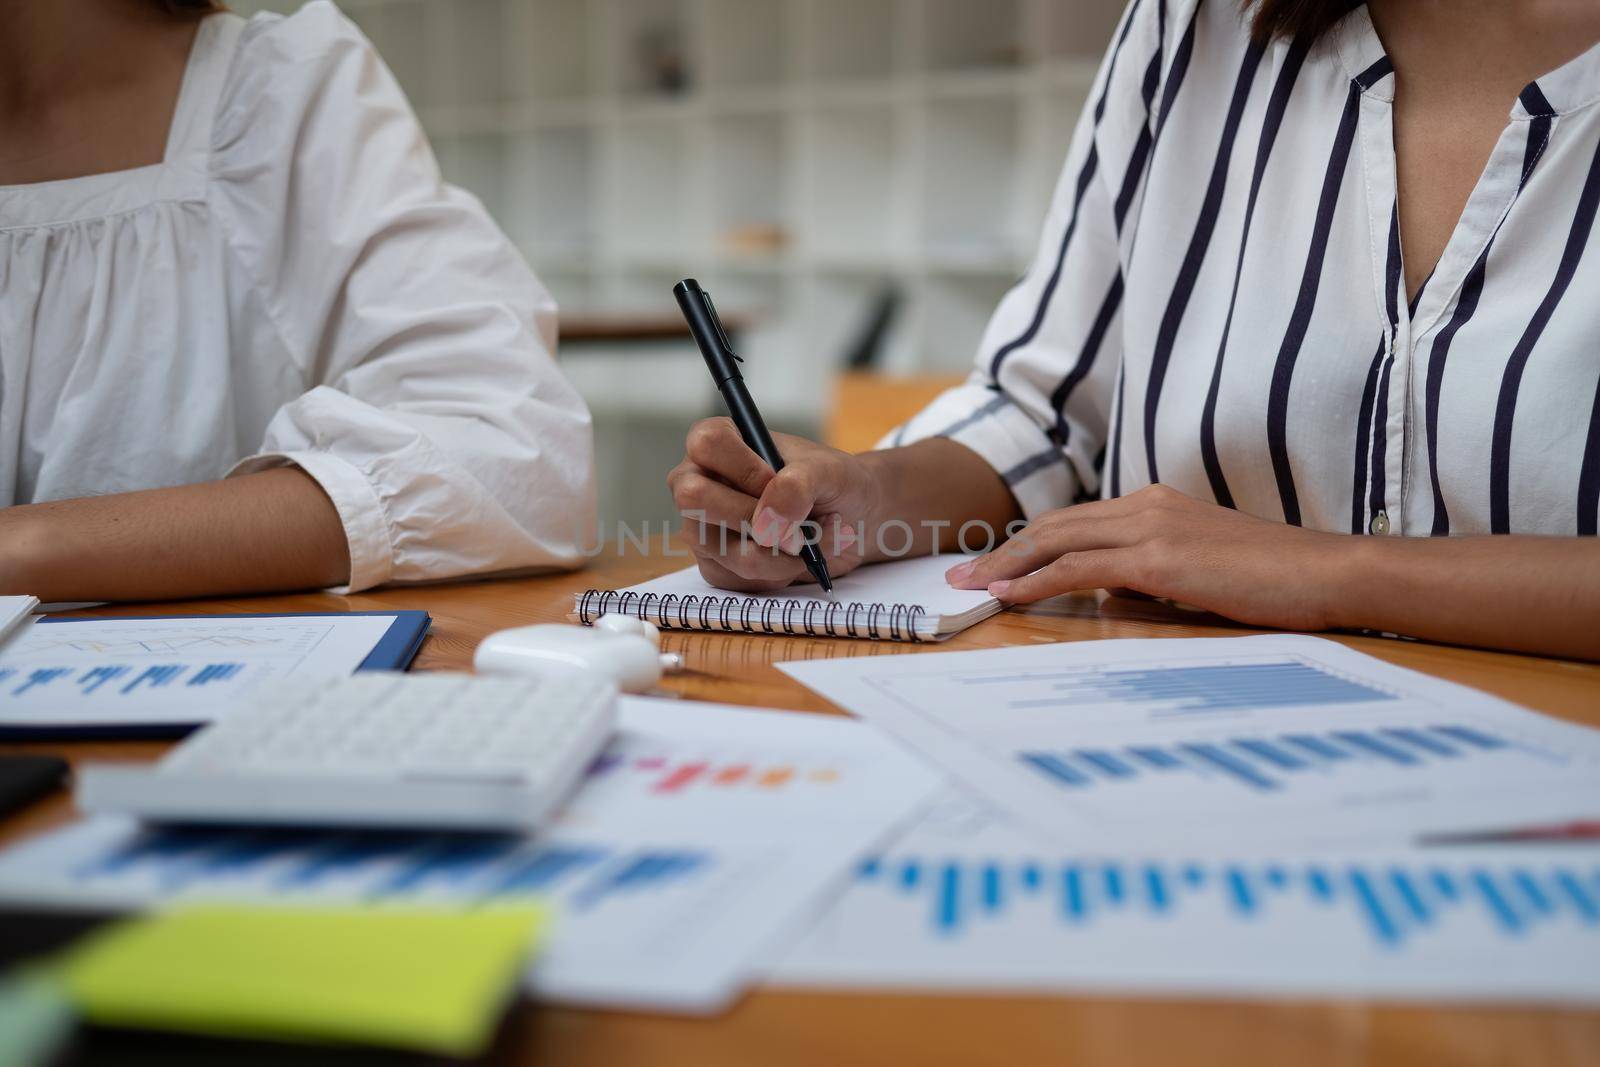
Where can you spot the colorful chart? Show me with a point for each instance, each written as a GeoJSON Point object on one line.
{"type": "Point", "coordinates": [675, 775]}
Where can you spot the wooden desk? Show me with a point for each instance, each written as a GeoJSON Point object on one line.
{"type": "Point", "coordinates": [811, 1029]}
{"type": "Point", "coordinates": [636, 328]}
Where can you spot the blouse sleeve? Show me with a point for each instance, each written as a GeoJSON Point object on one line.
{"type": "Point", "coordinates": [1037, 404]}
{"type": "Point", "coordinates": [436, 419]}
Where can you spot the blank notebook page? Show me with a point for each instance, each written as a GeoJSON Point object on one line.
{"type": "Point", "coordinates": [903, 599]}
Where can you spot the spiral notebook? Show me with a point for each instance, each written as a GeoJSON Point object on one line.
{"type": "Point", "coordinates": [905, 600]}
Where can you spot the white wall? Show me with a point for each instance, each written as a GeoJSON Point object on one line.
{"type": "Point", "coordinates": [912, 142]}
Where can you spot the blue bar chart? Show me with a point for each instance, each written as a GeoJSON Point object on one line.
{"type": "Point", "coordinates": [1276, 762]}
{"type": "Point", "coordinates": [398, 865]}
{"type": "Point", "coordinates": [127, 679]}
{"type": "Point", "coordinates": [1393, 903]}
{"type": "Point", "coordinates": [1165, 743]}
{"type": "Point", "coordinates": [1192, 688]}
{"type": "Point", "coordinates": [39, 678]}
{"type": "Point", "coordinates": [957, 909]}
{"type": "Point", "coordinates": [167, 672]}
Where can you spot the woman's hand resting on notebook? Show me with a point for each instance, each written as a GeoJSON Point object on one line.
{"type": "Point", "coordinates": [1160, 542]}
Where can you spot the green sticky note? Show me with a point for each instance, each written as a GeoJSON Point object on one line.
{"type": "Point", "coordinates": [432, 979]}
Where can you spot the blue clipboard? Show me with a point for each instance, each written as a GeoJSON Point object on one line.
{"type": "Point", "coordinates": [394, 652]}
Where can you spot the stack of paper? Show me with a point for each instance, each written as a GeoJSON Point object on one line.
{"type": "Point", "coordinates": [1214, 816]}
{"type": "Point", "coordinates": [702, 840]}
{"type": "Point", "coordinates": [965, 900]}
{"type": "Point", "coordinates": [13, 609]}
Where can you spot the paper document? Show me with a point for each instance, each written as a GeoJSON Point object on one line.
{"type": "Point", "coordinates": [13, 610]}
{"type": "Point", "coordinates": [1290, 738]}
{"type": "Point", "coordinates": [703, 838]}
{"type": "Point", "coordinates": [144, 672]}
{"type": "Point", "coordinates": [964, 900]}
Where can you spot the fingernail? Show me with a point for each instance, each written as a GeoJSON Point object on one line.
{"type": "Point", "coordinates": [768, 530]}
{"type": "Point", "coordinates": [793, 540]}
{"type": "Point", "coordinates": [959, 572]}
{"type": "Point", "coordinates": [998, 589]}
{"type": "Point", "coordinates": [847, 537]}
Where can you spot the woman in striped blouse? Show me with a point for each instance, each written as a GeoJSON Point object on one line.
{"type": "Point", "coordinates": [1307, 300]}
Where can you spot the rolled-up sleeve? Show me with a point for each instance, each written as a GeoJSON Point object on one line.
{"type": "Point", "coordinates": [1037, 404]}
{"type": "Point", "coordinates": [435, 417]}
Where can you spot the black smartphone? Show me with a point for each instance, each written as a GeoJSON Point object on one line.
{"type": "Point", "coordinates": [24, 779]}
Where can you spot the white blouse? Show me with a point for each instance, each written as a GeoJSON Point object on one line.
{"type": "Point", "coordinates": [1218, 301]}
{"type": "Point", "coordinates": [294, 284]}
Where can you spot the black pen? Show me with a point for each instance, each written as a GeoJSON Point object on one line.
{"type": "Point", "coordinates": [723, 362]}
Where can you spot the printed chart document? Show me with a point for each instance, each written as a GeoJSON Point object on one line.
{"type": "Point", "coordinates": [966, 901]}
{"type": "Point", "coordinates": [1291, 738]}
{"type": "Point", "coordinates": [13, 610]}
{"type": "Point", "coordinates": [704, 838]}
{"type": "Point", "coordinates": [148, 673]}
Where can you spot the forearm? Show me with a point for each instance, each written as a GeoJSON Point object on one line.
{"type": "Point", "coordinates": [935, 486]}
{"type": "Point", "coordinates": [1527, 594]}
{"type": "Point", "coordinates": [258, 533]}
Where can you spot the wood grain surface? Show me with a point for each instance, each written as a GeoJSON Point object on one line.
{"type": "Point", "coordinates": [817, 1029]}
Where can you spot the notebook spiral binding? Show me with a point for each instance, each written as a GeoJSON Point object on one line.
{"type": "Point", "coordinates": [878, 621]}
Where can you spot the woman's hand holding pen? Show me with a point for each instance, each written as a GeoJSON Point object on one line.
{"type": "Point", "coordinates": [910, 501]}
{"type": "Point", "coordinates": [878, 505]}
{"type": "Point", "coordinates": [743, 522]}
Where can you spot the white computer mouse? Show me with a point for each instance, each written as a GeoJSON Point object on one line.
{"type": "Point", "coordinates": [628, 656]}
{"type": "Point", "coordinates": [627, 624]}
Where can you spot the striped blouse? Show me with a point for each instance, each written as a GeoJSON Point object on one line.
{"type": "Point", "coordinates": [1218, 301]}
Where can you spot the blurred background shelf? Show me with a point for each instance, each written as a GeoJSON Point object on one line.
{"type": "Point", "coordinates": [812, 162]}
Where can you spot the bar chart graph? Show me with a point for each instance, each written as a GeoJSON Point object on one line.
{"type": "Point", "coordinates": [1502, 926]}
{"type": "Point", "coordinates": [91, 679]}
{"type": "Point", "coordinates": [964, 900]}
{"type": "Point", "coordinates": [103, 672]}
{"type": "Point", "coordinates": [1276, 762]}
{"type": "Point", "coordinates": [675, 775]}
{"type": "Point", "coordinates": [1393, 902]}
{"type": "Point", "coordinates": [1162, 742]}
{"type": "Point", "coordinates": [390, 865]}
{"type": "Point", "coordinates": [1193, 688]}
{"type": "Point", "coordinates": [645, 919]}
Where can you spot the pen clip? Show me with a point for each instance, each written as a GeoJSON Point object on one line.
{"type": "Point", "coordinates": [716, 320]}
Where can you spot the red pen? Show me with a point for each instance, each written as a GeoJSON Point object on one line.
{"type": "Point", "coordinates": [1572, 831]}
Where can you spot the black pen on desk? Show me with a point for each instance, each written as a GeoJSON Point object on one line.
{"type": "Point", "coordinates": [723, 363]}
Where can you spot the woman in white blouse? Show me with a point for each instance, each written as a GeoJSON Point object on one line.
{"type": "Point", "coordinates": [249, 340]}
{"type": "Point", "coordinates": [1317, 288]}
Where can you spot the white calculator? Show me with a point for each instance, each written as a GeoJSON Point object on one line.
{"type": "Point", "coordinates": [376, 749]}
